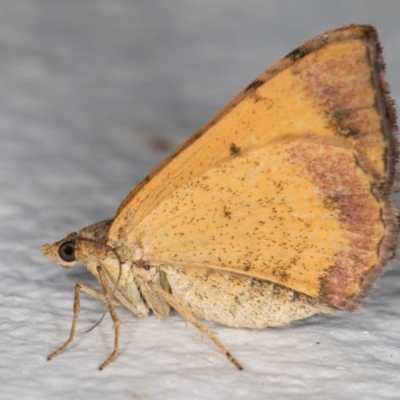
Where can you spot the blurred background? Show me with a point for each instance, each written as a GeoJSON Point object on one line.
{"type": "Point", "coordinates": [93, 95]}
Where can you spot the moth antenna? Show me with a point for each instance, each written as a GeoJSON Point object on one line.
{"type": "Point", "coordinates": [107, 247]}
{"type": "Point", "coordinates": [98, 321]}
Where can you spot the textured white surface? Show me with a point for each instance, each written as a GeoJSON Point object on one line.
{"type": "Point", "coordinates": [86, 86]}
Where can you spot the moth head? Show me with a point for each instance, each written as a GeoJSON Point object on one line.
{"type": "Point", "coordinates": [65, 252]}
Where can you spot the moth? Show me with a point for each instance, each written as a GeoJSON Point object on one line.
{"type": "Point", "coordinates": [280, 208]}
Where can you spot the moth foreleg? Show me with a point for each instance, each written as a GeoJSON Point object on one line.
{"type": "Point", "coordinates": [190, 318]}
{"type": "Point", "coordinates": [116, 321]}
{"type": "Point", "coordinates": [77, 308]}
{"type": "Point", "coordinates": [98, 295]}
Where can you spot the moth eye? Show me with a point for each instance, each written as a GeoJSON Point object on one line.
{"type": "Point", "coordinates": [67, 251]}
{"type": "Point", "coordinates": [146, 267]}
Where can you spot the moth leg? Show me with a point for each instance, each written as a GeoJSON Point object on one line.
{"type": "Point", "coordinates": [114, 316]}
{"type": "Point", "coordinates": [77, 308]}
{"type": "Point", "coordinates": [190, 318]}
{"type": "Point", "coordinates": [97, 294]}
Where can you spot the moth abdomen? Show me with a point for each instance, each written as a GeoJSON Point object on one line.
{"type": "Point", "coordinates": [238, 300]}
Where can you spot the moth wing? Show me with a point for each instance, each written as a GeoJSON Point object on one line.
{"type": "Point", "coordinates": [291, 182]}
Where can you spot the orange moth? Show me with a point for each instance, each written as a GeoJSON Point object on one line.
{"type": "Point", "coordinates": [280, 208]}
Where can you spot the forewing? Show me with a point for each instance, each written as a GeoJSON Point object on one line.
{"type": "Point", "coordinates": [291, 182]}
{"type": "Point", "coordinates": [295, 212]}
